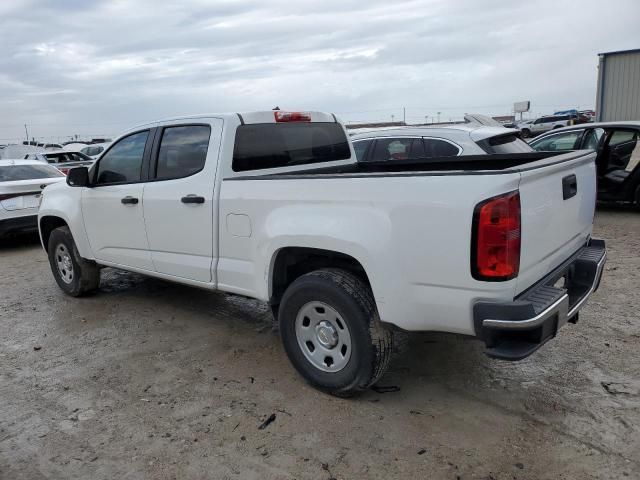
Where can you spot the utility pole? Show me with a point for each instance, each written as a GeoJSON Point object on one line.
{"type": "Point", "coordinates": [426, 119]}
{"type": "Point", "coordinates": [26, 131]}
{"type": "Point", "coordinates": [392, 118]}
{"type": "Point", "coordinates": [404, 115]}
{"type": "Point", "coordinates": [439, 116]}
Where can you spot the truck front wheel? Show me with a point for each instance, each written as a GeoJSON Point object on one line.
{"type": "Point", "coordinates": [74, 275]}
{"type": "Point", "coordinates": [332, 333]}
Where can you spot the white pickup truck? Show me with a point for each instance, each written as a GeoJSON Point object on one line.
{"type": "Point", "coordinates": [274, 206]}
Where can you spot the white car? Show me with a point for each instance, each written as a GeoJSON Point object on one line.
{"type": "Point", "coordinates": [21, 186]}
{"type": "Point", "coordinates": [95, 150]}
{"type": "Point", "coordinates": [74, 147]}
{"type": "Point", "coordinates": [19, 151]}
{"type": "Point", "coordinates": [546, 123]}
{"type": "Point", "coordinates": [275, 206]}
{"type": "Point", "coordinates": [63, 160]}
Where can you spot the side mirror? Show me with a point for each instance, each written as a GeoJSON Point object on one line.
{"type": "Point", "coordinates": [78, 177]}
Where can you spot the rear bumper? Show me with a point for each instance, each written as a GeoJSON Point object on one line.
{"type": "Point", "coordinates": [22, 224]}
{"type": "Point", "coordinates": [514, 330]}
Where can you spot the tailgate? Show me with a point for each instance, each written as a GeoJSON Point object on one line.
{"type": "Point", "coordinates": [557, 198]}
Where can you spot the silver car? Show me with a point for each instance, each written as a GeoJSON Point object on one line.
{"type": "Point", "coordinates": [406, 143]}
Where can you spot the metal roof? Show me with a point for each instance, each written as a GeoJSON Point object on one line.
{"type": "Point", "coordinates": [633, 50]}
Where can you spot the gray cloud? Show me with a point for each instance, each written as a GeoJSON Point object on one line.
{"type": "Point", "coordinates": [93, 67]}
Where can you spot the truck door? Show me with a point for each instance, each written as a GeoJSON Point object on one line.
{"type": "Point", "coordinates": [179, 211]}
{"type": "Point", "coordinates": [112, 207]}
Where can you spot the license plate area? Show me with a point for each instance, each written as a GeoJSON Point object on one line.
{"type": "Point", "coordinates": [21, 202]}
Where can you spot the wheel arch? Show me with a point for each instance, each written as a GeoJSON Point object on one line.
{"type": "Point", "coordinates": [291, 262]}
{"type": "Point", "coordinates": [48, 224]}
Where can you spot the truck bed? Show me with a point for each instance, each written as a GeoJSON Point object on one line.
{"type": "Point", "coordinates": [462, 165]}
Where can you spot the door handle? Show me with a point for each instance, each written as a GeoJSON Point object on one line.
{"type": "Point", "coordinates": [129, 200]}
{"type": "Point", "coordinates": [192, 199]}
{"type": "Point", "coordinates": [569, 187]}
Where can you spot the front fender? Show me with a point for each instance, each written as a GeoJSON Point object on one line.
{"type": "Point", "coordinates": [64, 202]}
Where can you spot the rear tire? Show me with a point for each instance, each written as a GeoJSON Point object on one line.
{"type": "Point", "coordinates": [636, 199]}
{"type": "Point", "coordinates": [332, 334]}
{"type": "Point", "coordinates": [74, 275]}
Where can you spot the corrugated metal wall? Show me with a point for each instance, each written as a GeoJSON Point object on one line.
{"type": "Point", "coordinates": [618, 96]}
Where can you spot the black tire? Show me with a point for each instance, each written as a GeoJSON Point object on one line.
{"type": "Point", "coordinates": [636, 199]}
{"type": "Point", "coordinates": [84, 276]}
{"type": "Point", "coordinates": [371, 342]}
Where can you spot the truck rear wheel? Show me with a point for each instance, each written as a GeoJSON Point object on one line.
{"type": "Point", "coordinates": [74, 275]}
{"type": "Point", "coordinates": [332, 333]}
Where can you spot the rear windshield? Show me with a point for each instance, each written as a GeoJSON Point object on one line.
{"type": "Point", "coordinates": [509, 143]}
{"type": "Point", "coordinates": [273, 145]}
{"type": "Point", "coordinates": [27, 172]}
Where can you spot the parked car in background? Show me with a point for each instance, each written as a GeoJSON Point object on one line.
{"type": "Point", "coordinates": [524, 124]}
{"type": "Point", "coordinates": [546, 123]}
{"type": "Point", "coordinates": [63, 160]}
{"type": "Point", "coordinates": [590, 115]}
{"type": "Point", "coordinates": [95, 150]}
{"type": "Point", "coordinates": [19, 151]}
{"type": "Point", "coordinates": [21, 185]}
{"type": "Point", "coordinates": [274, 206]}
{"type": "Point", "coordinates": [74, 146]}
{"type": "Point", "coordinates": [618, 160]}
{"type": "Point", "coordinates": [407, 143]}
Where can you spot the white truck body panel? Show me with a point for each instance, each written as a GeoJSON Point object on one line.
{"type": "Point", "coordinates": [414, 247]}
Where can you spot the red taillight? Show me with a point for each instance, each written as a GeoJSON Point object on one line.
{"type": "Point", "coordinates": [64, 170]}
{"type": "Point", "coordinates": [291, 116]}
{"type": "Point", "coordinates": [496, 238]}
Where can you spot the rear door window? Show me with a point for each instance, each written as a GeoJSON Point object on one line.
{"type": "Point", "coordinates": [440, 148]}
{"type": "Point", "coordinates": [623, 150]}
{"type": "Point", "coordinates": [183, 151]}
{"type": "Point", "coordinates": [402, 148]}
{"type": "Point", "coordinates": [622, 136]}
{"type": "Point", "coordinates": [275, 145]}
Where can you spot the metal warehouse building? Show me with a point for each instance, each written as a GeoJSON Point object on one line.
{"type": "Point", "coordinates": [618, 94]}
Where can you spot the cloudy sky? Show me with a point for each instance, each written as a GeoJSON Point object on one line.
{"type": "Point", "coordinates": [95, 68]}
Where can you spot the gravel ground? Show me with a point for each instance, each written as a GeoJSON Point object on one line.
{"type": "Point", "coordinates": [148, 379]}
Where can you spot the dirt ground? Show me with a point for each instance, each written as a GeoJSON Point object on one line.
{"type": "Point", "coordinates": [147, 379]}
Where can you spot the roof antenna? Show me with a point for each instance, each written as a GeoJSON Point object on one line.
{"type": "Point", "coordinates": [276, 108]}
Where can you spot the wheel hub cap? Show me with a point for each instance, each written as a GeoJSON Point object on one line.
{"type": "Point", "coordinates": [327, 335]}
{"type": "Point", "coordinates": [323, 336]}
{"type": "Point", "coordinates": [64, 263]}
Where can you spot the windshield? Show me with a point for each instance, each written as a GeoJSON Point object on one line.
{"type": "Point", "coordinates": [509, 143]}
{"type": "Point", "coordinates": [27, 172]}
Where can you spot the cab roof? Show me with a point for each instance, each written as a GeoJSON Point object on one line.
{"type": "Point", "coordinates": [265, 116]}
